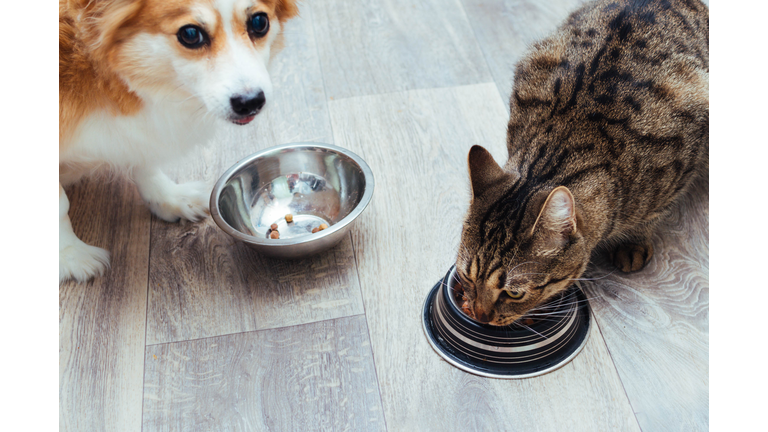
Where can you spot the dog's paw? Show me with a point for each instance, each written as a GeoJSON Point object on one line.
{"type": "Point", "coordinates": [631, 257]}
{"type": "Point", "coordinates": [81, 262]}
{"type": "Point", "coordinates": [181, 201]}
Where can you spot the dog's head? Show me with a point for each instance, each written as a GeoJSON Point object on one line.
{"type": "Point", "coordinates": [213, 50]}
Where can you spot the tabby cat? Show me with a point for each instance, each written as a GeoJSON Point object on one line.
{"type": "Point", "coordinates": [609, 126]}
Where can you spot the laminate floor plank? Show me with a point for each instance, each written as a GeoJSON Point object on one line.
{"type": "Point", "coordinates": [416, 143]}
{"type": "Point", "coordinates": [656, 322]}
{"type": "Point", "coordinates": [102, 323]}
{"type": "Point", "coordinates": [506, 29]}
{"type": "Point", "coordinates": [202, 282]}
{"type": "Point", "coordinates": [313, 377]}
{"type": "Point", "coordinates": [381, 46]}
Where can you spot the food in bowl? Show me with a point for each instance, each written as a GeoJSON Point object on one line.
{"type": "Point", "coordinates": [462, 300]}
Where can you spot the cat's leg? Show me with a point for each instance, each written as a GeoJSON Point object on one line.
{"type": "Point", "coordinates": [168, 200]}
{"type": "Point", "coordinates": [633, 255]}
{"type": "Point", "coordinates": [77, 260]}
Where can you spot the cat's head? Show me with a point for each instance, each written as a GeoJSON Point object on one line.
{"type": "Point", "coordinates": [520, 245]}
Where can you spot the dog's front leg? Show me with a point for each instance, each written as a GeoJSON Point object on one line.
{"type": "Point", "coordinates": [168, 200]}
{"type": "Point", "coordinates": [77, 260]}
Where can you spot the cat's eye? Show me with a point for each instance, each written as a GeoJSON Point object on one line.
{"type": "Point", "coordinates": [512, 294]}
{"type": "Point", "coordinates": [258, 24]}
{"type": "Point", "coordinates": [192, 37]}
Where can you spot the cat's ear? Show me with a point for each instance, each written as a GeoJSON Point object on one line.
{"type": "Point", "coordinates": [484, 172]}
{"type": "Point", "coordinates": [557, 216]}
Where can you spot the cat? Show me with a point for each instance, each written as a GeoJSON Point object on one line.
{"type": "Point", "coordinates": [609, 126]}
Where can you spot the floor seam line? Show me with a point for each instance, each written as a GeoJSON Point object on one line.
{"type": "Point", "coordinates": [255, 330]}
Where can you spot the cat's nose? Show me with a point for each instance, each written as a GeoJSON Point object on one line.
{"type": "Point", "coordinates": [481, 315]}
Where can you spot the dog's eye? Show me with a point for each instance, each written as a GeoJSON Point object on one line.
{"type": "Point", "coordinates": [192, 36]}
{"type": "Point", "coordinates": [258, 25]}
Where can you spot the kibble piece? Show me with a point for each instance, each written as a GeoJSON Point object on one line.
{"type": "Point", "coordinates": [467, 310]}
{"type": "Point", "coordinates": [273, 227]}
{"type": "Point", "coordinates": [528, 321]}
{"type": "Point", "coordinates": [274, 235]}
{"type": "Point", "coordinates": [289, 218]}
{"type": "Point", "coordinates": [323, 226]}
{"type": "Point", "coordinates": [315, 229]}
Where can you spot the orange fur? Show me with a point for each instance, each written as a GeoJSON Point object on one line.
{"type": "Point", "coordinates": [85, 87]}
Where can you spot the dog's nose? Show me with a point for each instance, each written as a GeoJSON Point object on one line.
{"type": "Point", "coordinates": [247, 105]}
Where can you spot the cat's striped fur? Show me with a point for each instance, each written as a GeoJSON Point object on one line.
{"type": "Point", "coordinates": [609, 125]}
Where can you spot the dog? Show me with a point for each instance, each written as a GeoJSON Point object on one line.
{"type": "Point", "coordinates": [143, 81]}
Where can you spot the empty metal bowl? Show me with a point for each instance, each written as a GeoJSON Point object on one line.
{"type": "Point", "coordinates": [553, 339]}
{"type": "Point", "coordinates": [315, 183]}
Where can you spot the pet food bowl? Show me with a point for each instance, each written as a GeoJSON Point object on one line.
{"type": "Point", "coordinates": [513, 351]}
{"type": "Point", "coordinates": [315, 183]}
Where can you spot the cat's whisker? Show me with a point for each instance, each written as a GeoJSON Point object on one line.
{"type": "Point", "coordinates": [559, 313]}
{"type": "Point", "coordinates": [529, 328]}
{"type": "Point", "coordinates": [526, 274]}
{"type": "Point", "coordinates": [521, 264]}
{"type": "Point", "coordinates": [595, 278]}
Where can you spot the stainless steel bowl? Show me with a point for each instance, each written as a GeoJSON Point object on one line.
{"type": "Point", "coordinates": [316, 183]}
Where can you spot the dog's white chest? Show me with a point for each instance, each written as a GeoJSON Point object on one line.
{"type": "Point", "coordinates": [155, 135]}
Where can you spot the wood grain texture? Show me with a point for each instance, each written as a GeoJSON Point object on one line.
{"type": "Point", "coordinates": [204, 284]}
{"type": "Point", "coordinates": [656, 322]}
{"type": "Point", "coordinates": [416, 143]}
{"type": "Point", "coordinates": [505, 30]}
{"type": "Point", "coordinates": [315, 377]}
{"type": "Point", "coordinates": [375, 46]}
{"type": "Point", "coordinates": [101, 324]}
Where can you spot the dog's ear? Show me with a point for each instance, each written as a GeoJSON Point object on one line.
{"type": "Point", "coordinates": [286, 9]}
{"type": "Point", "coordinates": [104, 22]}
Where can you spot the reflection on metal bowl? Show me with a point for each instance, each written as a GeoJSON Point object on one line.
{"type": "Point", "coordinates": [315, 183]}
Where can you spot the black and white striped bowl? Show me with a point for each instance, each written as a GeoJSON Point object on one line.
{"type": "Point", "coordinates": [511, 351]}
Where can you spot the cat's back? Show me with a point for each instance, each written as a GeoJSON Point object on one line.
{"type": "Point", "coordinates": [647, 32]}
{"type": "Point", "coordinates": [639, 51]}
{"type": "Point", "coordinates": [618, 95]}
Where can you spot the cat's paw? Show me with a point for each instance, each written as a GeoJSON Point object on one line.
{"type": "Point", "coordinates": [631, 257]}
{"type": "Point", "coordinates": [81, 262]}
{"type": "Point", "coordinates": [180, 201]}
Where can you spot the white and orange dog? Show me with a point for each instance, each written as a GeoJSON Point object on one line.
{"type": "Point", "coordinates": [142, 81]}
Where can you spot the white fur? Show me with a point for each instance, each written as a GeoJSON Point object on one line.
{"type": "Point", "coordinates": [176, 116]}
{"type": "Point", "coordinates": [77, 260]}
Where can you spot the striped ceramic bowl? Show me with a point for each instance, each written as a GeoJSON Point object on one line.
{"type": "Point", "coordinates": [512, 351]}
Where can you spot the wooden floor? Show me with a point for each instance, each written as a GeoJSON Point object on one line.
{"type": "Point", "coordinates": [190, 331]}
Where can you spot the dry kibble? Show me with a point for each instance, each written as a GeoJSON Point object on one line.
{"type": "Point", "coordinates": [273, 227]}
{"type": "Point", "coordinates": [315, 229]}
{"type": "Point", "coordinates": [528, 321]}
{"type": "Point", "coordinates": [323, 226]}
{"type": "Point", "coordinates": [467, 310]}
{"type": "Point", "coordinates": [289, 218]}
{"type": "Point", "coordinates": [274, 235]}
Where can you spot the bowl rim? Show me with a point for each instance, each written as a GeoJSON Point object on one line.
{"type": "Point", "coordinates": [283, 243]}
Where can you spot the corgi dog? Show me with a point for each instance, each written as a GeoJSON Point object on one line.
{"type": "Point", "coordinates": [143, 81]}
